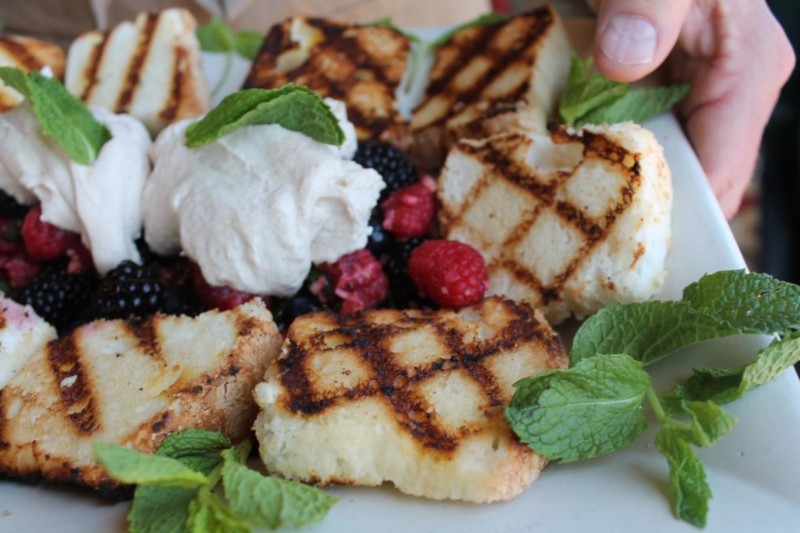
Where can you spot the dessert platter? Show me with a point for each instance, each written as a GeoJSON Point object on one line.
{"type": "Point", "coordinates": [753, 473]}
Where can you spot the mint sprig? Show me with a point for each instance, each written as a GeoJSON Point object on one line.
{"type": "Point", "coordinates": [591, 98]}
{"type": "Point", "coordinates": [222, 494]}
{"type": "Point", "coordinates": [294, 107]}
{"type": "Point", "coordinates": [595, 407]}
{"type": "Point", "coordinates": [216, 36]}
{"type": "Point", "coordinates": [604, 393]}
{"type": "Point", "coordinates": [62, 116]}
{"type": "Point", "coordinates": [718, 305]}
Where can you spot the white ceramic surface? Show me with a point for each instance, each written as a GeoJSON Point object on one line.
{"type": "Point", "coordinates": [753, 471]}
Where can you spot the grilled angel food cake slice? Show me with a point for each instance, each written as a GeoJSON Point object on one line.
{"type": "Point", "coordinates": [132, 383]}
{"type": "Point", "coordinates": [149, 68]}
{"type": "Point", "coordinates": [30, 55]}
{"type": "Point", "coordinates": [359, 65]}
{"type": "Point", "coordinates": [22, 335]}
{"type": "Point", "coordinates": [490, 79]}
{"type": "Point", "coordinates": [569, 221]}
{"type": "Point", "coordinates": [412, 397]}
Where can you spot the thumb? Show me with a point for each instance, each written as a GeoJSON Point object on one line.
{"type": "Point", "coordinates": [635, 36]}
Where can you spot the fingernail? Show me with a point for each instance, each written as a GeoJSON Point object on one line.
{"type": "Point", "coordinates": [629, 40]}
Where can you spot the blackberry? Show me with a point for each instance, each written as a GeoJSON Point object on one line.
{"type": "Point", "coordinates": [390, 163]}
{"type": "Point", "coordinates": [56, 295]}
{"type": "Point", "coordinates": [127, 290]}
{"type": "Point", "coordinates": [401, 287]}
{"type": "Point", "coordinates": [380, 241]}
{"type": "Point", "coordinates": [289, 309]}
{"type": "Point", "coordinates": [9, 208]}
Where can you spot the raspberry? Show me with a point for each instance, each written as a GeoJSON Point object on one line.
{"type": "Point", "coordinates": [127, 290]}
{"type": "Point", "coordinates": [409, 211]}
{"type": "Point", "coordinates": [222, 298]}
{"type": "Point", "coordinates": [45, 241]}
{"type": "Point", "coordinates": [450, 273]}
{"type": "Point", "coordinates": [389, 162]}
{"type": "Point", "coordinates": [358, 280]}
{"type": "Point", "coordinates": [57, 295]}
{"type": "Point", "coordinates": [20, 270]}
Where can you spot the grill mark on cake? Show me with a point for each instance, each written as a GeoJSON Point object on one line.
{"type": "Point", "coordinates": [393, 383]}
{"type": "Point", "coordinates": [277, 39]}
{"type": "Point", "coordinates": [593, 231]}
{"type": "Point", "coordinates": [343, 50]}
{"type": "Point", "coordinates": [131, 83]}
{"type": "Point", "coordinates": [146, 335]}
{"type": "Point", "coordinates": [77, 400]}
{"type": "Point", "coordinates": [93, 66]}
{"type": "Point", "coordinates": [21, 55]}
{"type": "Point", "coordinates": [500, 61]}
{"type": "Point", "coordinates": [301, 398]}
{"type": "Point", "coordinates": [170, 110]}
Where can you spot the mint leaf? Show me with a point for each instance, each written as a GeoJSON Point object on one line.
{"type": "Point", "coordinates": [158, 509]}
{"type": "Point", "coordinates": [487, 19]}
{"type": "Point", "coordinates": [585, 93]}
{"type": "Point", "coordinates": [755, 303]}
{"type": "Point", "coordinates": [637, 105]}
{"type": "Point", "coordinates": [646, 331]}
{"type": "Point", "coordinates": [247, 43]}
{"type": "Point", "coordinates": [718, 305]}
{"type": "Point", "coordinates": [199, 449]}
{"type": "Point", "coordinates": [271, 502]}
{"type": "Point", "coordinates": [134, 467]}
{"type": "Point", "coordinates": [591, 409]}
{"type": "Point", "coordinates": [726, 385]}
{"type": "Point", "coordinates": [294, 107]}
{"type": "Point", "coordinates": [708, 422]}
{"type": "Point", "coordinates": [686, 475]}
{"type": "Point", "coordinates": [209, 514]}
{"type": "Point", "coordinates": [594, 99]}
{"type": "Point", "coordinates": [61, 115]}
{"type": "Point", "coordinates": [215, 36]}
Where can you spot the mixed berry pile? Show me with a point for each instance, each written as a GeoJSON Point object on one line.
{"type": "Point", "coordinates": [402, 265]}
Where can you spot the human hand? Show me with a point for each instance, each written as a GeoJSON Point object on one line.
{"type": "Point", "coordinates": [734, 54]}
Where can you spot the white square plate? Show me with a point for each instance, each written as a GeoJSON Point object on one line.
{"type": "Point", "coordinates": [753, 471]}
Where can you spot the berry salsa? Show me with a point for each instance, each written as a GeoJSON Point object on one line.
{"type": "Point", "coordinates": [402, 266]}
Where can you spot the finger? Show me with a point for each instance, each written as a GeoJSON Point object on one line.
{"type": "Point", "coordinates": [635, 36]}
{"type": "Point", "coordinates": [733, 96]}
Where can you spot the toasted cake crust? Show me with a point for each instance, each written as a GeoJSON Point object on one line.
{"type": "Point", "coordinates": [359, 65]}
{"type": "Point", "coordinates": [132, 383]}
{"type": "Point", "coordinates": [569, 221]}
{"type": "Point", "coordinates": [30, 55]}
{"type": "Point", "coordinates": [149, 68]}
{"type": "Point", "coordinates": [490, 79]}
{"type": "Point", "coordinates": [411, 397]}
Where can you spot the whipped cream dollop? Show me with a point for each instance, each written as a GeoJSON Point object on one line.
{"type": "Point", "coordinates": [255, 208]}
{"type": "Point", "coordinates": [101, 201]}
